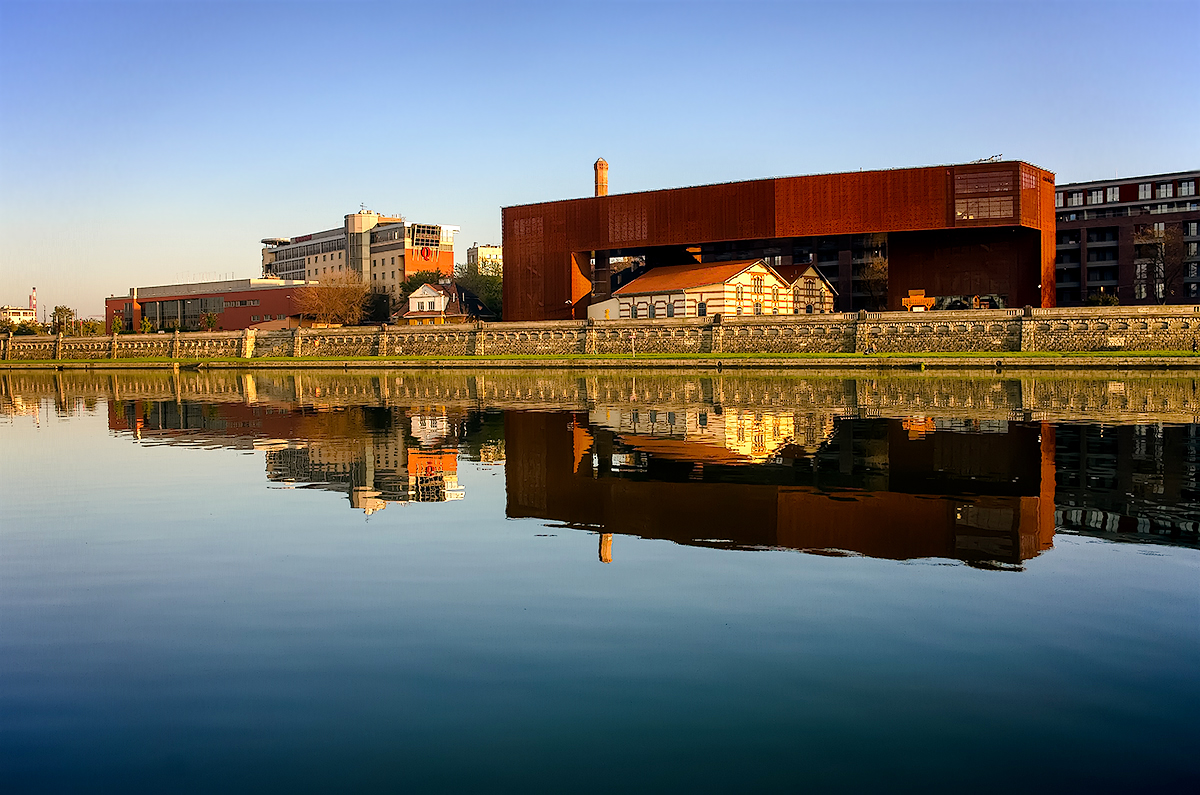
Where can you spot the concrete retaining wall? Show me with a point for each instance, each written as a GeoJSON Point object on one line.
{"type": "Point", "coordinates": [1175, 328]}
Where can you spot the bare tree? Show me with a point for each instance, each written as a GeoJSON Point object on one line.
{"type": "Point", "coordinates": [873, 276]}
{"type": "Point", "coordinates": [1160, 260]}
{"type": "Point", "coordinates": [333, 301]}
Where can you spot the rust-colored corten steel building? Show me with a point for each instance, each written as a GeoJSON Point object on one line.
{"type": "Point", "coordinates": [980, 229]}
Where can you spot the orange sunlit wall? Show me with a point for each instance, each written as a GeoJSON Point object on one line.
{"type": "Point", "coordinates": [1009, 205]}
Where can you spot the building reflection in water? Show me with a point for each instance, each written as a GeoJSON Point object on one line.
{"type": "Point", "coordinates": [899, 469]}
{"type": "Point", "coordinates": [361, 451]}
{"type": "Point", "coordinates": [982, 492]}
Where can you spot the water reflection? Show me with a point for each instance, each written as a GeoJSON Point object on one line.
{"type": "Point", "coordinates": [979, 469]}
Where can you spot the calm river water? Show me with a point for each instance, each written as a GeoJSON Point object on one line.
{"type": "Point", "coordinates": [490, 581]}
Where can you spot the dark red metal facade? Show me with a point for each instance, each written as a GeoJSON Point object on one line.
{"type": "Point", "coordinates": [547, 247]}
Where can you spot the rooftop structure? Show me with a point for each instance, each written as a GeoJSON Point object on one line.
{"type": "Point", "coordinates": [953, 231]}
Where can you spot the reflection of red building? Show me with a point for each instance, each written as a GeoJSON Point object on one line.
{"type": "Point", "coordinates": [1008, 516]}
{"type": "Point", "coordinates": [433, 476]}
{"type": "Point", "coordinates": [962, 230]}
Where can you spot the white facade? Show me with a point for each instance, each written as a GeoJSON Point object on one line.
{"type": "Point", "coordinates": [18, 314]}
{"type": "Point", "coordinates": [756, 289]}
{"type": "Point", "coordinates": [427, 299]}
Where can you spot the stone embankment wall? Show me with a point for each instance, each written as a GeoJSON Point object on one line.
{"type": "Point", "coordinates": [1122, 398]}
{"type": "Point", "coordinates": [1175, 328]}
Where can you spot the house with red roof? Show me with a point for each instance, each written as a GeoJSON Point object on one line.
{"type": "Point", "coordinates": [740, 287]}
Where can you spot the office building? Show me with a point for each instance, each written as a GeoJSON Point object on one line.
{"type": "Point", "coordinates": [380, 250]}
{"type": "Point", "coordinates": [230, 305]}
{"type": "Point", "coordinates": [487, 259]}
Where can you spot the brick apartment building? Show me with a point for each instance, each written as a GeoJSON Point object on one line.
{"type": "Point", "coordinates": [1135, 237]}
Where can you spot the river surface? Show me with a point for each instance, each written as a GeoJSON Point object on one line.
{"type": "Point", "coordinates": [287, 581]}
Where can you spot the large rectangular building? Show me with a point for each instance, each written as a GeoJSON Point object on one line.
{"type": "Point", "coordinates": [1136, 239]}
{"type": "Point", "coordinates": [233, 304]}
{"type": "Point", "coordinates": [957, 232]}
{"type": "Point", "coordinates": [380, 250]}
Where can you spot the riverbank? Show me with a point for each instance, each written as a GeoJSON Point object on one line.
{"type": "Point", "coordinates": [1097, 360]}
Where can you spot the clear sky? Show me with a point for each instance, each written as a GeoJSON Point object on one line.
{"type": "Point", "coordinates": [151, 142]}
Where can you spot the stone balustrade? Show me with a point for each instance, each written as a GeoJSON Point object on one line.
{"type": "Point", "coordinates": [1175, 328]}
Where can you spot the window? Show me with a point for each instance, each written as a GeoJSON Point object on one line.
{"type": "Point", "coordinates": [1191, 228]}
{"type": "Point", "coordinates": [757, 282]}
{"type": "Point", "coordinates": [671, 309]}
{"type": "Point", "coordinates": [701, 309]}
{"type": "Point", "coordinates": [739, 294]}
{"type": "Point", "coordinates": [1114, 194]}
{"type": "Point", "coordinates": [1164, 190]}
{"type": "Point", "coordinates": [1187, 188]}
{"type": "Point", "coordinates": [994, 207]}
{"type": "Point", "coordinates": [1058, 199]}
{"type": "Point", "coordinates": [1144, 190]}
{"type": "Point", "coordinates": [758, 307]}
{"type": "Point", "coordinates": [775, 297]}
{"type": "Point", "coordinates": [1095, 197]}
{"type": "Point", "coordinates": [984, 182]}
{"type": "Point", "coordinates": [650, 313]}
{"type": "Point", "coordinates": [393, 260]}
{"type": "Point", "coordinates": [808, 309]}
{"type": "Point", "coordinates": [633, 313]}
{"type": "Point", "coordinates": [1075, 198]}
{"type": "Point", "coordinates": [393, 273]}
{"type": "Point", "coordinates": [702, 419]}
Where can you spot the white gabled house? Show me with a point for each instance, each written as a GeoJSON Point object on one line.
{"type": "Point", "coordinates": [742, 287]}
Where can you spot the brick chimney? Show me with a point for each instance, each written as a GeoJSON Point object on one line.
{"type": "Point", "coordinates": [601, 177]}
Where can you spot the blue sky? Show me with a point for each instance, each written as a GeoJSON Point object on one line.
{"type": "Point", "coordinates": [145, 142]}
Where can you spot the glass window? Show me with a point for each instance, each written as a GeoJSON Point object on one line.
{"type": "Point", "coordinates": [701, 309]}
{"type": "Point", "coordinates": [1058, 199]}
{"type": "Point", "coordinates": [1144, 190]}
{"type": "Point", "coordinates": [1187, 188]}
{"type": "Point", "coordinates": [1164, 190]}
{"type": "Point", "coordinates": [757, 308]}
{"type": "Point", "coordinates": [1114, 194]}
{"type": "Point", "coordinates": [993, 207]}
{"type": "Point", "coordinates": [651, 313]}
{"type": "Point", "coordinates": [633, 311]}
{"type": "Point", "coordinates": [1095, 197]}
{"type": "Point", "coordinates": [984, 182]}
{"type": "Point", "coordinates": [671, 309]}
{"type": "Point", "coordinates": [1075, 199]}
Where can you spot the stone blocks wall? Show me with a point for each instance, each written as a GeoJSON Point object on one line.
{"type": "Point", "coordinates": [1175, 328]}
{"type": "Point", "coordinates": [1114, 329]}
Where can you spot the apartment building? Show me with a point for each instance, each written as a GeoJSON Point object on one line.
{"type": "Point", "coordinates": [378, 249]}
{"type": "Point", "coordinates": [487, 259]}
{"type": "Point", "coordinates": [1135, 238]}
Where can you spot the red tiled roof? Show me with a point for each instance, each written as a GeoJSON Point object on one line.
{"type": "Point", "coordinates": [673, 278]}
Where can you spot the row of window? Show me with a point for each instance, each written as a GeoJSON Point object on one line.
{"type": "Point", "coordinates": [1146, 190]}
{"type": "Point", "coordinates": [261, 318]}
